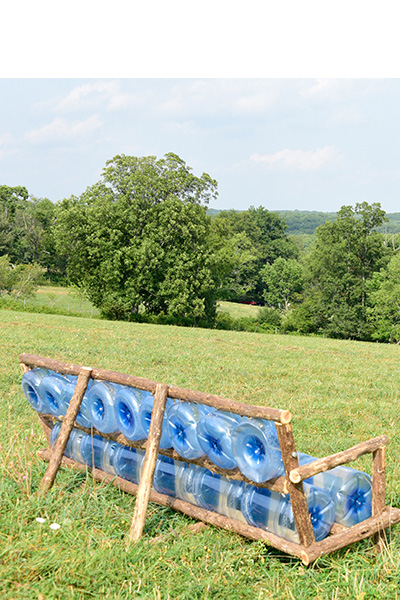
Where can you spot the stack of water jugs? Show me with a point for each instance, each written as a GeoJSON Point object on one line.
{"type": "Point", "coordinates": [193, 430]}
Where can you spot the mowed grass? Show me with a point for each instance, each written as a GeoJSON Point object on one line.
{"type": "Point", "coordinates": [340, 393]}
{"type": "Point", "coordinates": [59, 300]}
{"type": "Point", "coordinates": [238, 310]}
{"type": "Point", "coordinates": [68, 301]}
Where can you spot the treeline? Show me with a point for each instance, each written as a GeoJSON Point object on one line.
{"type": "Point", "coordinates": [141, 245]}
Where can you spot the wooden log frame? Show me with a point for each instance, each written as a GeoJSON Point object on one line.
{"type": "Point", "coordinates": [308, 550]}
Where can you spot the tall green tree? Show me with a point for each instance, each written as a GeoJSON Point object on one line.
{"type": "Point", "coordinates": [283, 281]}
{"type": "Point", "coordinates": [13, 201]}
{"type": "Point", "coordinates": [384, 301]}
{"type": "Point", "coordinates": [138, 240]}
{"type": "Point", "coordinates": [262, 240]}
{"type": "Point", "coordinates": [346, 254]}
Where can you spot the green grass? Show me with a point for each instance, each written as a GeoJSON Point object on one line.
{"type": "Point", "coordinates": [340, 393]}
{"type": "Point", "coordinates": [59, 300]}
{"type": "Point", "coordinates": [237, 310]}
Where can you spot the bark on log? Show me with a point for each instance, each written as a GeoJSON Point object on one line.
{"type": "Point", "coordinates": [66, 428]}
{"type": "Point", "coordinates": [246, 410]}
{"type": "Point", "coordinates": [146, 480]}
{"type": "Point", "coordinates": [379, 490]}
{"type": "Point", "coordinates": [389, 516]}
{"type": "Point", "coordinates": [297, 495]}
{"type": "Point", "coordinates": [329, 462]}
{"type": "Point", "coordinates": [278, 484]}
{"type": "Point", "coordinates": [191, 510]}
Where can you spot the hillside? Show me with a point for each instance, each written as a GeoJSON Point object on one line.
{"type": "Point", "coordinates": [300, 222]}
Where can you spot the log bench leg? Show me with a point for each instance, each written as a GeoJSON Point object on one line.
{"type": "Point", "coordinates": [379, 492]}
{"type": "Point", "coordinates": [149, 465]}
{"type": "Point", "coordinates": [66, 428]}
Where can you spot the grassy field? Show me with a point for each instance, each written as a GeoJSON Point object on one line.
{"type": "Point", "coordinates": [237, 310]}
{"type": "Point", "coordinates": [59, 300]}
{"type": "Point", "coordinates": [69, 302]}
{"type": "Point", "coordinates": [340, 392]}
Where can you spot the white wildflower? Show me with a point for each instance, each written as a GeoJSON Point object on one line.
{"type": "Point", "coordinates": [55, 526]}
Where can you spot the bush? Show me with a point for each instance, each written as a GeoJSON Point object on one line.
{"type": "Point", "coordinates": [269, 316]}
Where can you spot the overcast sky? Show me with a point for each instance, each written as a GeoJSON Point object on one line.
{"type": "Point", "coordinates": [163, 78]}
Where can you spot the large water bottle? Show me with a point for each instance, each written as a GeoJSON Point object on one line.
{"type": "Point", "coordinates": [108, 456]}
{"type": "Point", "coordinates": [182, 419]}
{"type": "Point", "coordinates": [75, 441]}
{"type": "Point", "coordinates": [100, 406]}
{"type": "Point", "coordinates": [83, 417]}
{"type": "Point", "coordinates": [349, 489]}
{"type": "Point", "coordinates": [50, 393]}
{"type": "Point", "coordinates": [186, 485]}
{"type": "Point", "coordinates": [215, 492]}
{"type": "Point", "coordinates": [256, 449]}
{"type": "Point", "coordinates": [145, 412]}
{"type": "Point", "coordinates": [231, 501]}
{"type": "Point", "coordinates": [30, 386]}
{"type": "Point", "coordinates": [166, 475]}
{"type": "Point", "coordinates": [273, 511]}
{"type": "Point", "coordinates": [214, 433]}
{"type": "Point", "coordinates": [126, 409]}
{"type": "Point", "coordinates": [92, 450]}
{"type": "Point", "coordinates": [128, 463]}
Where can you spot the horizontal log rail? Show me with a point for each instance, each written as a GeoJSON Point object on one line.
{"type": "Point", "coordinates": [341, 538]}
{"type": "Point", "coordinates": [191, 510]}
{"type": "Point", "coordinates": [174, 392]}
{"type": "Point", "coordinates": [329, 462]}
{"type": "Point", "coordinates": [278, 484]}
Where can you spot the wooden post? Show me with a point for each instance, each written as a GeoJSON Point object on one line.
{"type": "Point", "coordinates": [66, 428]}
{"type": "Point", "coordinates": [378, 491]}
{"type": "Point", "coordinates": [297, 495]}
{"type": "Point", "coordinates": [149, 465]}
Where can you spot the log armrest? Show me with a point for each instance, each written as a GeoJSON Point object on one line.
{"type": "Point", "coordinates": [329, 462]}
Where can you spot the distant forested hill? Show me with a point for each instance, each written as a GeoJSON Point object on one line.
{"type": "Point", "coordinates": [300, 222]}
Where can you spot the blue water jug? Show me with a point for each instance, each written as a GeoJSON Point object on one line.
{"type": "Point", "coordinates": [231, 500]}
{"type": "Point", "coordinates": [145, 412]}
{"type": "Point", "coordinates": [100, 406]}
{"type": "Point", "coordinates": [108, 456]}
{"type": "Point", "coordinates": [74, 443]}
{"type": "Point", "coordinates": [126, 409]}
{"type": "Point", "coordinates": [50, 393]}
{"type": "Point", "coordinates": [273, 511]}
{"type": "Point", "coordinates": [214, 433]}
{"type": "Point", "coordinates": [182, 419]}
{"type": "Point", "coordinates": [349, 489]}
{"type": "Point", "coordinates": [128, 463]}
{"type": "Point", "coordinates": [256, 449]}
{"type": "Point", "coordinates": [92, 449]}
{"type": "Point", "coordinates": [166, 475]}
{"type": "Point", "coordinates": [186, 485]}
{"type": "Point", "coordinates": [83, 417]}
{"type": "Point", "coordinates": [30, 386]}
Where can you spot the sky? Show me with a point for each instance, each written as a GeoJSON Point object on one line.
{"type": "Point", "coordinates": [271, 133]}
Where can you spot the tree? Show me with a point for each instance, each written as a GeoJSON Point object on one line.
{"type": "Point", "coordinates": [18, 281]}
{"type": "Point", "coordinates": [137, 241]}
{"type": "Point", "coordinates": [384, 311]}
{"type": "Point", "coordinates": [284, 282]}
{"type": "Point", "coordinates": [263, 237]}
{"type": "Point", "coordinates": [346, 254]}
{"type": "Point", "coordinates": [13, 200]}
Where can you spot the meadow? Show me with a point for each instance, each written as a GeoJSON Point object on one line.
{"type": "Point", "coordinates": [340, 393]}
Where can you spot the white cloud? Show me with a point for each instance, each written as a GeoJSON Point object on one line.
{"type": "Point", "coordinates": [97, 94]}
{"type": "Point", "coordinates": [221, 96]}
{"type": "Point", "coordinates": [60, 129]}
{"type": "Point", "coordinates": [297, 160]}
{"type": "Point", "coordinates": [88, 95]}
